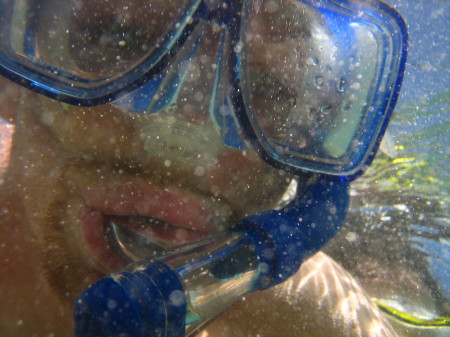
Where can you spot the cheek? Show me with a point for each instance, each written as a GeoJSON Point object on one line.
{"type": "Point", "coordinates": [10, 98]}
{"type": "Point", "coordinates": [100, 132]}
{"type": "Point", "coordinates": [248, 182]}
{"type": "Point", "coordinates": [52, 214]}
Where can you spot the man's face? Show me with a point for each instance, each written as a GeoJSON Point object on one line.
{"type": "Point", "coordinates": [166, 177]}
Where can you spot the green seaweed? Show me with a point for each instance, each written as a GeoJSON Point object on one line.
{"type": "Point", "coordinates": [420, 131]}
{"type": "Point", "coordinates": [404, 317]}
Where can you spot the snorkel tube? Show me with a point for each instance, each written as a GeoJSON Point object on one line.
{"type": "Point", "coordinates": [181, 293]}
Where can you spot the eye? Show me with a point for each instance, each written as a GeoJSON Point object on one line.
{"type": "Point", "coordinates": [105, 43]}
{"type": "Point", "coordinates": [102, 46]}
{"type": "Point", "coordinates": [105, 37]}
{"type": "Point", "coordinates": [281, 20]}
{"type": "Point", "coordinates": [98, 40]}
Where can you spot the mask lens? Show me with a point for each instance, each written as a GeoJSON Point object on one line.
{"type": "Point", "coordinates": [316, 80]}
{"type": "Point", "coordinates": [89, 43]}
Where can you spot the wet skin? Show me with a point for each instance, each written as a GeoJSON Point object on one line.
{"type": "Point", "coordinates": [71, 169]}
{"type": "Point", "coordinates": [69, 181]}
{"type": "Point", "coordinates": [80, 182]}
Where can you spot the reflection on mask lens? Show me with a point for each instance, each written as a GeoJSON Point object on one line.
{"type": "Point", "coordinates": [92, 39]}
{"type": "Point", "coordinates": [308, 79]}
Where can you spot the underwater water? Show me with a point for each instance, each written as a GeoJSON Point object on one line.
{"type": "Point", "coordinates": [397, 238]}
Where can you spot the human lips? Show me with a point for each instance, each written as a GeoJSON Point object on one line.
{"type": "Point", "coordinates": [169, 216]}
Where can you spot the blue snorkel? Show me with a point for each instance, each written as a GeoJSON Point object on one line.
{"type": "Point", "coordinates": [181, 293]}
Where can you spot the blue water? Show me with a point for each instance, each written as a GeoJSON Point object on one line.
{"type": "Point", "coordinates": [422, 118]}
{"type": "Point", "coordinates": [420, 130]}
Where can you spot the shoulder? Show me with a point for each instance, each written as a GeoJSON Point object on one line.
{"type": "Point", "coordinates": [321, 299]}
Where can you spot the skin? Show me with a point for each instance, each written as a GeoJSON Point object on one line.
{"type": "Point", "coordinates": [70, 168]}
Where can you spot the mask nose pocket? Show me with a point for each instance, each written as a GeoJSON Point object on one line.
{"type": "Point", "coordinates": [319, 81]}
{"type": "Point", "coordinates": [88, 52]}
{"type": "Point", "coordinates": [195, 85]}
{"type": "Point", "coordinates": [164, 89]}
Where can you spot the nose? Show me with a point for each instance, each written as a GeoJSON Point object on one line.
{"type": "Point", "coordinates": [187, 83]}
{"type": "Point", "coordinates": [187, 114]}
{"type": "Point", "coordinates": [187, 105]}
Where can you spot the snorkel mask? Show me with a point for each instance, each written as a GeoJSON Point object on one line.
{"type": "Point", "coordinates": [338, 78]}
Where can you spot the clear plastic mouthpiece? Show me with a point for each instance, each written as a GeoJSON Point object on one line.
{"type": "Point", "coordinates": [174, 297]}
{"type": "Point", "coordinates": [179, 294]}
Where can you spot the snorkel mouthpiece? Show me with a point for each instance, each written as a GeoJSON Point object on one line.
{"type": "Point", "coordinates": [182, 292]}
{"type": "Point", "coordinates": [137, 303]}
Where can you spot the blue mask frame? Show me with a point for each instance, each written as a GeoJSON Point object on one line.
{"type": "Point", "coordinates": [339, 15]}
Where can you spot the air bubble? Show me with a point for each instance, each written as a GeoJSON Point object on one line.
{"type": "Point", "coordinates": [112, 304]}
{"type": "Point", "coordinates": [199, 171]}
{"type": "Point", "coordinates": [284, 228]}
{"type": "Point", "coordinates": [47, 117]}
{"type": "Point", "coordinates": [264, 268]}
{"type": "Point", "coordinates": [238, 47]}
{"type": "Point", "coordinates": [302, 142]}
{"type": "Point", "coordinates": [268, 253]}
{"type": "Point", "coordinates": [312, 114]}
{"type": "Point", "coordinates": [356, 86]}
{"type": "Point", "coordinates": [177, 298]}
{"type": "Point", "coordinates": [326, 109]}
{"type": "Point", "coordinates": [312, 61]}
{"type": "Point", "coordinates": [340, 87]}
{"type": "Point", "coordinates": [319, 82]}
{"type": "Point", "coordinates": [351, 236]}
{"type": "Point", "coordinates": [181, 234]}
{"type": "Point", "coordinates": [198, 96]}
